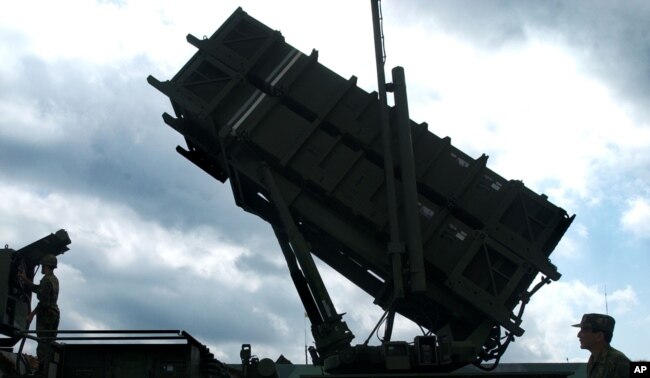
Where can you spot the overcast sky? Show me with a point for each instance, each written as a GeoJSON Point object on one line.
{"type": "Point", "coordinates": [556, 93]}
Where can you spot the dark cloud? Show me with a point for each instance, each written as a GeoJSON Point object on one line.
{"type": "Point", "coordinates": [111, 142]}
{"type": "Point", "coordinates": [611, 39]}
{"type": "Point", "coordinates": [260, 263]}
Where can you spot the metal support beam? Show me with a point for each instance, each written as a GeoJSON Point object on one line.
{"type": "Point", "coordinates": [396, 247]}
{"type": "Point", "coordinates": [390, 319]}
{"type": "Point", "coordinates": [311, 308]}
{"type": "Point", "coordinates": [330, 332]}
{"type": "Point", "coordinates": [300, 248]}
{"type": "Point", "coordinates": [412, 218]}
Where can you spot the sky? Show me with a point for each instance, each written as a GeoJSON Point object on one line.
{"type": "Point", "coordinates": [556, 93]}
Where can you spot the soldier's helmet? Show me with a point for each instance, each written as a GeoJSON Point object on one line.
{"type": "Point", "coordinates": [49, 260]}
{"type": "Point", "coordinates": [597, 322]}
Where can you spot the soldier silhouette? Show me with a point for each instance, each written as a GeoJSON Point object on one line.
{"type": "Point", "coordinates": [595, 335]}
{"type": "Point", "coordinates": [47, 310]}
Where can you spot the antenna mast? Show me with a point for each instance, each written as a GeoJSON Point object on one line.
{"type": "Point", "coordinates": [606, 308]}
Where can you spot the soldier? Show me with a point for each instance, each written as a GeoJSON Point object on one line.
{"type": "Point", "coordinates": [47, 311]}
{"type": "Point", "coordinates": [595, 335]}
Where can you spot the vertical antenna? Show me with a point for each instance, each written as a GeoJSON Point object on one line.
{"type": "Point", "coordinates": [395, 246]}
{"type": "Point", "coordinates": [606, 308]}
{"type": "Point", "coordinates": [381, 32]}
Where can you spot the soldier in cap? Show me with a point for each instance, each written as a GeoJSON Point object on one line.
{"type": "Point", "coordinates": [595, 335]}
{"type": "Point", "coordinates": [47, 311]}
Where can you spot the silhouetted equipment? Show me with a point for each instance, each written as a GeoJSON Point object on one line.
{"type": "Point", "coordinates": [15, 299]}
{"type": "Point", "coordinates": [137, 353]}
{"type": "Point", "coordinates": [253, 367]}
{"type": "Point", "coordinates": [301, 148]}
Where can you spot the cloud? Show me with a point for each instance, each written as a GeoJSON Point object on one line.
{"type": "Point", "coordinates": [599, 34]}
{"type": "Point", "coordinates": [623, 301]}
{"type": "Point", "coordinates": [80, 128]}
{"type": "Point", "coordinates": [572, 245]}
{"type": "Point", "coordinates": [636, 218]}
{"type": "Point", "coordinates": [144, 28]}
{"type": "Point", "coordinates": [122, 241]}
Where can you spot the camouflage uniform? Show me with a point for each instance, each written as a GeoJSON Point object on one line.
{"type": "Point", "coordinates": [47, 312]}
{"type": "Point", "coordinates": [609, 363]}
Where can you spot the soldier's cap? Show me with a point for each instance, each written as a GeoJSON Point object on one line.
{"type": "Point", "coordinates": [597, 322]}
